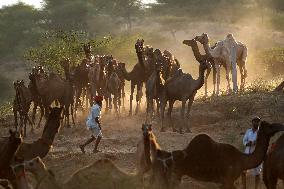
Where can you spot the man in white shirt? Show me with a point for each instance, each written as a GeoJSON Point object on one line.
{"type": "Point", "coordinates": [249, 142]}
{"type": "Point", "coordinates": [94, 125]}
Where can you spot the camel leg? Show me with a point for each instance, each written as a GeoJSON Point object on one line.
{"type": "Point", "coordinates": [189, 105]}
{"type": "Point", "coordinates": [123, 97]}
{"type": "Point", "coordinates": [107, 106]}
{"type": "Point", "coordinates": [158, 107]}
{"type": "Point", "coordinates": [131, 98]}
{"type": "Point", "coordinates": [228, 68]}
{"type": "Point", "coordinates": [15, 118]}
{"type": "Point", "coordinates": [72, 114]}
{"type": "Point", "coordinates": [163, 106]}
{"type": "Point", "coordinates": [182, 115]}
{"type": "Point", "coordinates": [214, 80]}
{"type": "Point", "coordinates": [138, 98]}
{"type": "Point", "coordinates": [41, 115]}
{"type": "Point", "coordinates": [34, 111]}
{"type": "Point", "coordinates": [217, 66]}
{"type": "Point", "coordinates": [169, 114]}
{"type": "Point", "coordinates": [206, 79]}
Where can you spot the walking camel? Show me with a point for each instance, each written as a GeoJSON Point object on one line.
{"type": "Point", "coordinates": [182, 87]}
{"type": "Point", "coordinates": [226, 162]}
{"type": "Point", "coordinates": [220, 54]}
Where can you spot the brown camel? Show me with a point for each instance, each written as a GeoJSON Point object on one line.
{"type": "Point", "coordinates": [221, 55]}
{"type": "Point", "coordinates": [207, 160]}
{"type": "Point", "coordinates": [41, 146]}
{"type": "Point", "coordinates": [8, 148]}
{"type": "Point", "coordinates": [112, 87]}
{"type": "Point", "coordinates": [53, 88]}
{"type": "Point", "coordinates": [199, 57]}
{"type": "Point", "coordinates": [136, 77]}
{"type": "Point", "coordinates": [44, 177]}
{"type": "Point", "coordinates": [21, 178]}
{"type": "Point", "coordinates": [102, 174]}
{"type": "Point", "coordinates": [273, 168]}
{"type": "Point", "coordinates": [182, 87]}
{"type": "Point", "coordinates": [36, 98]}
{"type": "Point", "coordinates": [21, 105]}
{"type": "Point", "coordinates": [154, 87]}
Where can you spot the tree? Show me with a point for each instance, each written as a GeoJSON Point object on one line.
{"type": "Point", "coordinates": [20, 27]}
{"type": "Point", "coordinates": [67, 15]}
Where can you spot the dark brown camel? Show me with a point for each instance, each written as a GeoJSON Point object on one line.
{"type": "Point", "coordinates": [8, 148]}
{"type": "Point", "coordinates": [154, 87]}
{"type": "Point", "coordinates": [54, 88]}
{"type": "Point", "coordinates": [41, 147]}
{"type": "Point", "coordinates": [182, 87]}
{"type": "Point", "coordinates": [207, 160]}
{"type": "Point", "coordinates": [21, 105]}
{"type": "Point", "coordinates": [36, 98]}
{"type": "Point", "coordinates": [273, 167]}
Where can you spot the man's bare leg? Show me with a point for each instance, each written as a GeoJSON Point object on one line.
{"type": "Point", "coordinates": [82, 146]}
{"type": "Point", "coordinates": [97, 144]}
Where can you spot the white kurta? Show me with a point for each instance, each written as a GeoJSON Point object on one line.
{"type": "Point", "coordinates": [91, 123]}
{"type": "Point", "coordinates": [251, 136]}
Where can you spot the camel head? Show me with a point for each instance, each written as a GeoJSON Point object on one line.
{"type": "Point", "coordinates": [190, 42]}
{"type": "Point", "coordinates": [139, 46]}
{"type": "Point", "coordinates": [148, 50]}
{"type": "Point", "coordinates": [15, 137]}
{"type": "Point", "coordinates": [269, 129]}
{"type": "Point", "coordinates": [203, 39]}
{"type": "Point", "coordinates": [146, 129]}
{"type": "Point", "coordinates": [35, 165]}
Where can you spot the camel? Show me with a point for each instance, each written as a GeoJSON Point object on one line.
{"type": "Point", "coordinates": [136, 77]}
{"type": "Point", "coordinates": [273, 164]}
{"type": "Point", "coordinates": [112, 87]}
{"type": "Point", "coordinates": [102, 174]}
{"type": "Point", "coordinates": [94, 78]}
{"type": "Point", "coordinates": [182, 87]}
{"type": "Point", "coordinates": [199, 57]}
{"type": "Point", "coordinates": [154, 87]}
{"type": "Point", "coordinates": [41, 146]}
{"type": "Point", "coordinates": [44, 177]}
{"type": "Point", "coordinates": [21, 179]}
{"type": "Point", "coordinates": [36, 98]}
{"type": "Point", "coordinates": [225, 163]}
{"type": "Point", "coordinates": [53, 88]}
{"type": "Point", "coordinates": [8, 148]}
{"type": "Point", "coordinates": [221, 56]}
{"type": "Point", "coordinates": [21, 105]}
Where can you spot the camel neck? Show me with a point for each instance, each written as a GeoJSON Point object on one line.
{"type": "Point", "coordinates": [140, 58]}
{"type": "Point", "coordinates": [196, 52]}
{"type": "Point", "coordinates": [254, 159]}
{"type": "Point", "coordinates": [200, 80]}
{"type": "Point", "coordinates": [8, 154]}
{"type": "Point", "coordinates": [50, 129]}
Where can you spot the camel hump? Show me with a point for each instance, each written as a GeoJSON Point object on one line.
{"type": "Point", "coordinates": [200, 140]}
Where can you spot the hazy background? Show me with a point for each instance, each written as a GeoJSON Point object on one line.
{"type": "Point", "coordinates": [59, 27]}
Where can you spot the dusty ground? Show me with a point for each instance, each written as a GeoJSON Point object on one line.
{"type": "Point", "coordinates": [224, 118]}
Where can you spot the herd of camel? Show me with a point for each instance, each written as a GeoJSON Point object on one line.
{"type": "Point", "coordinates": [203, 158]}
{"type": "Point", "coordinates": [164, 81]}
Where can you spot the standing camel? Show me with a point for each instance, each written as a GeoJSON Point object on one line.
{"type": "Point", "coordinates": [221, 56]}
{"type": "Point", "coordinates": [21, 105]}
{"type": "Point", "coordinates": [225, 163]}
{"type": "Point", "coordinates": [182, 87]}
{"type": "Point", "coordinates": [273, 168]}
{"type": "Point", "coordinates": [52, 88]}
{"type": "Point", "coordinates": [154, 87]}
{"type": "Point", "coordinates": [113, 87]}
